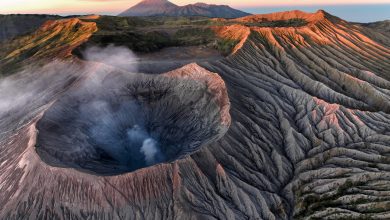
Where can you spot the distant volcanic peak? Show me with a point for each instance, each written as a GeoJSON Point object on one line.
{"type": "Point", "coordinates": [166, 8]}
{"type": "Point", "coordinates": [201, 4]}
{"type": "Point", "coordinates": [150, 8]}
{"type": "Point", "coordinates": [218, 11]}
{"type": "Point", "coordinates": [156, 3]}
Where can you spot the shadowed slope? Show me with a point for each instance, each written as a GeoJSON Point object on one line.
{"type": "Point", "coordinates": [14, 25]}
{"type": "Point", "coordinates": [309, 106]}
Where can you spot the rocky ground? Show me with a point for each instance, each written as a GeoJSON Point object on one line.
{"type": "Point", "coordinates": [308, 133]}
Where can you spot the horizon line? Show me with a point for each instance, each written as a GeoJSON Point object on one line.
{"type": "Point", "coordinates": [309, 8]}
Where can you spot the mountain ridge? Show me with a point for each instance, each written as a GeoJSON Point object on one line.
{"type": "Point", "coordinates": [167, 8]}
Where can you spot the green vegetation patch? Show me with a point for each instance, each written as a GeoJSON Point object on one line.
{"type": "Point", "coordinates": [150, 34]}
{"type": "Point", "coordinates": [295, 22]}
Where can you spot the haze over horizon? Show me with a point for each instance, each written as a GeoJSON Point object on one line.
{"type": "Point", "coordinates": [351, 10]}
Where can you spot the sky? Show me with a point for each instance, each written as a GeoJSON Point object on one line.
{"type": "Point", "coordinates": [351, 10]}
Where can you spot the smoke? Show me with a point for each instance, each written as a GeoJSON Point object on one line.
{"type": "Point", "coordinates": [119, 57]}
{"type": "Point", "coordinates": [22, 88]}
{"type": "Point", "coordinates": [24, 94]}
{"type": "Point", "coordinates": [93, 119]}
{"type": "Point", "coordinates": [15, 93]}
{"type": "Point", "coordinates": [34, 85]}
{"type": "Point", "coordinates": [128, 116]}
{"type": "Point", "coordinates": [117, 129]}
{"type": "Point", "coordinates": [116, 124]}
{"type": "Point", "coordinates": [150, 150]}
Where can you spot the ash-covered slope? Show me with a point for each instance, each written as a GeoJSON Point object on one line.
{"type": "Point", "coordinates": [166, 8]}
{"type": "Point", "coordinates": [309, 137]}
{"type": "Point", "coordinates": [383, 26]}
{"type": "Point", "coordinates": [310, 105]}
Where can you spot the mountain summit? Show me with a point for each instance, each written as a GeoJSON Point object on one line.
{"type": "Point", "coordinates": [167, 8]}
{"type": "Point", "coordinates": [150, 8]}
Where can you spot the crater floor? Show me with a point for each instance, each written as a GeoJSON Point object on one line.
{"type": "Point", "coordinates": [109, 127]}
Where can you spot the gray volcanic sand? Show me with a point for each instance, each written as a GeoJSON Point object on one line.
{"type": "Point", "coordinates": [171, 58]}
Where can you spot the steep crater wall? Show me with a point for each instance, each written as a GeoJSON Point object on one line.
{"type": "Point", "coordinates": [122, 124]}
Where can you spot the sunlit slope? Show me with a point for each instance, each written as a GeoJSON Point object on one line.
{"type": "Point", "coordinates": [53, 40]}
{"type": "Point", "coordinates": [310, 121]}
{"type": "Point", "coordinates": [329, 59]}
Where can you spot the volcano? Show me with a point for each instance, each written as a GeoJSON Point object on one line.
{"type": "Point", "coordinates": [290, 121]}
{"type": "Point", "coordinates": [166, 8]}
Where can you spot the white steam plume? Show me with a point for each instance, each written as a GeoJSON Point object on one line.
{"type": "Point", "coordinates": [23, 94]}
{"type": "Point", "coordinates": [149, 149]}
{"type": "Point", "coordinates": [119, 57]}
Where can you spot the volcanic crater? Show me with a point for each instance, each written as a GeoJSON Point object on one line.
{"type": "Point", "coordinates": [108, 128]}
